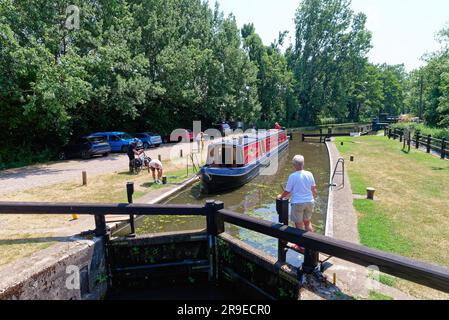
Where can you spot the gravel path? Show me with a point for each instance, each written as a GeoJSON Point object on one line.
{"type": "Point", "coordinates": [15, 180]}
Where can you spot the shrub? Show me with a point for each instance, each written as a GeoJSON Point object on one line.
{"type": "Point", "coordinates": [15, 157]}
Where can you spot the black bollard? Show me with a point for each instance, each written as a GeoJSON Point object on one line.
{"type": "Point", "coordinates": [282, 210]}
{"type": "Point", "coordinates": [130, 192]}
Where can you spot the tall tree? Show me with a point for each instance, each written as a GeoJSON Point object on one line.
{"type": "Point", "coordinates": [274, 77]}
{"type": "Point", "coordinates": [331, 43]}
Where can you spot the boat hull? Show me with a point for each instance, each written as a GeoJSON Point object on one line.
{"type": "Point", "coordinates": [215, 180]}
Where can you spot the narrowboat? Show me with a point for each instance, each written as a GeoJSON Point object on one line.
{"type": "Point", "coordinates": [232, 163]}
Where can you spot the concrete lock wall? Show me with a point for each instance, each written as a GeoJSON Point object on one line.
{"type": "Point", "coordinates": [253, 273]}
{"type": "Point", "coordinates": [77, 269]}
{"type": "Point", "coordinates": [252, 270]}
{"type": "Point", "coordinates": [157, 260]}
{"type": "Point", "coordinates": [68, 271]}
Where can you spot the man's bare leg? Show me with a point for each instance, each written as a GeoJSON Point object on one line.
{"type": "Point", "coordinates": [154, 175]}
{"type": "Point", "coordinates": [299, 225]}
{"type": "Point", "coordinates": [309, 226]}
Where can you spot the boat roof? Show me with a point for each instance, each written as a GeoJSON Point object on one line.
{"type": "Point", "coordinates": [247, 139]}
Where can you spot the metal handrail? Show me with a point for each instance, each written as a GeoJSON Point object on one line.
{"type": "Point", "coordinates": [342, 162]}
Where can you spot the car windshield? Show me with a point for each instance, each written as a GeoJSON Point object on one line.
{"type": "Point", "coordinates": [96, 140]}
{"type": "Point", "coordinates": [125, 136]}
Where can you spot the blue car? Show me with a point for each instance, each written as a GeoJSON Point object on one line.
{"type": "Point", "coordinates": [119, 141]}
{"type": "Point", "coordinates": [149, 139]}
{"type": "Point", "coordinates": [85, 148]}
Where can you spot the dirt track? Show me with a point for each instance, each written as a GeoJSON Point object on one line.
{"type": "Point", "coordinates": [15, 180]}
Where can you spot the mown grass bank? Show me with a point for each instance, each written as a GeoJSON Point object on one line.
{"type": "Point", "coordinates": [411, 213]}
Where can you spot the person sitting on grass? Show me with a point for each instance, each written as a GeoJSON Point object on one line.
{"type": "Point", "coordinates": [156, 165]}
{"type": "Point", "coordinates": [301, 187]}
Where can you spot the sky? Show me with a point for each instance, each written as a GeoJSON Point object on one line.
{"type": "Point", "coordinates": [403, 30]}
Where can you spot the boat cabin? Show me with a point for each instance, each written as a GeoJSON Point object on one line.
{"type": "Point", "coordinates": [245, 150]}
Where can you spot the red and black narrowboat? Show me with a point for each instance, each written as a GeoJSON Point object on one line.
{"type": "Point", "coordinates": [231, 163]}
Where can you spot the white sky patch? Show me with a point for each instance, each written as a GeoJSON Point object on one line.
{"type": "Point", "coordinates": [403, 30]}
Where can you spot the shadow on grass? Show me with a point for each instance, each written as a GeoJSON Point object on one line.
{"type": "Point", "coordinates": [126, 173]}
{"type": "Point", "coordinates": [439, 169]}
{"type": "Point", "coordinates": [148, 185]}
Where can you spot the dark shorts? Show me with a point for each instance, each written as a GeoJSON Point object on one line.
{"type": "Point", "coordinates": [154, 169]}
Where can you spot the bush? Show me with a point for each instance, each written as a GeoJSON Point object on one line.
{"type": "Point", "coordinates": [329, 120]}
{"type": "Point", "coordinates": [15, 157]}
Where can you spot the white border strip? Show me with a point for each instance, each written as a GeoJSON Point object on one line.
{"type": "Point", "coordinates": [329, 229]}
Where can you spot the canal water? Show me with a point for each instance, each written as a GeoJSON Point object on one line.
{"type": "Point", "coordinates": [256, 199]}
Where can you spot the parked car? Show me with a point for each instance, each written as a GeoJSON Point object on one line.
{"type": "Point", "coordinates": [119, 141]}
{"type": "Point", "coordinates": [237, 125]}
{"type": "Point", "coordinates": [149, 139]}
{"type": "Point", "coordinates": [85, 148]}
{"type": "Point", "coordinates": [224, 128]}
{"type": "Point", "coordinates": [187, 135]}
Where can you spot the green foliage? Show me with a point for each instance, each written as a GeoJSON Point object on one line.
{"type": "Point", "coordinates": [377, 296]}
{"type": "Point", "coordinates": [329, 55]}
{"type": "Point", "coordinates": [133, 65]}
{"type": "Point", "coordinates": [157, 65]}
{"type": "Point", "coordinates": [275, 80]}
{"type": "Point", "coordinates": [387, 280]}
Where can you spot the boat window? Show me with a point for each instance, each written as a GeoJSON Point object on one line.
{"type": "Point", "coordinates": [228, 156]}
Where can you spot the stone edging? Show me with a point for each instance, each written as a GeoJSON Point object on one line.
{"type": "Point", "coordinates": [329, 229]}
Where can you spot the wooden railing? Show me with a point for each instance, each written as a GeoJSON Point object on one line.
{"type": "Point", "coordinates": [216, 216]}
{"type": "Point", "coordinates": [362, 129]}
{"type": "Point", "coordinates": [440, 146]}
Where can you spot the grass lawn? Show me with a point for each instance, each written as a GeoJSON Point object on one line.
{"type": "Point", "coordinates": [23, 235]}
{"type": "Point", "coordinates": [411, 213]}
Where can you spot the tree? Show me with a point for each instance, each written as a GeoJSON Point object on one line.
{"type": "Point", "coordinates": [331, 43]}
{"type": "Point", "coordinates": [274, 77]}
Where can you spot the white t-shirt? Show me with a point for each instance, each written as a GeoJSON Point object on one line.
{"type": "Point", "coordinates": [300, 186]}
{"type": "Point", "coordinates": [153, 164]}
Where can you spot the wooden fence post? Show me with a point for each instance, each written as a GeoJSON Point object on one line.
{"type": "Point", "coordinates": [130, 193]}
{"type": "Point", "coordinates": [417, 137]}
{"type": "Point", "coordinates": [429, 141]}
{"type": "Point", "coordinates": [214, 228]}
{"type": "Point", "coordinates": [404, 140]}
{"type": "Point", "coordinates": [409, 141]}
{"type": "Point", "coordinates": [100, 225]}
{"type": "Point", "coordinates": [282, 210]}
{"type": "Point", "coordinates": [84, 178]}
{"type": "Point", "coordinates": [443, 148]}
